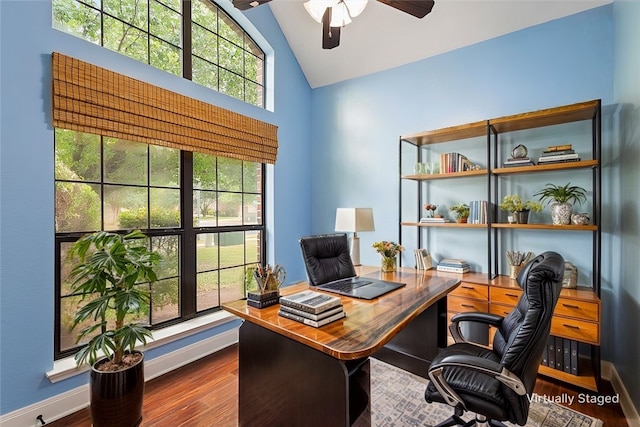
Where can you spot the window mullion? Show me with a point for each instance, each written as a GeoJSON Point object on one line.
{"type": "Point", "coordinates": [188, 282]}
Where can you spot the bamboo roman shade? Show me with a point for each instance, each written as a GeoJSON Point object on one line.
{"type": "Point", "coordinates": [88, 98]}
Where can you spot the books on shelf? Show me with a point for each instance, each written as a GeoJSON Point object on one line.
{"type": "Point", "coordinates": [423, 259]}
{"type": "Point", "coordinates": [562, 354]}
{"type": "Point", "coordinates": [453, 265]}
{"type": "Point", "coordinates": [562, 147]}
{"type": "Point", "coordinates": [519, 161]}
{"type": "Point", "coordinates": [477, 212]}
{"type": "Point", "coordinates": [311, 322]}
{"type": "Point", "coordinates": [311, 301]}
{"type": "Point", "coordinates": [434, 220]}
{"type": "Point", "coordinates": [454, 162]}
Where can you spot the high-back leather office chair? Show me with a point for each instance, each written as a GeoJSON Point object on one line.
{"type": "Point", "coordinates": [326, 258]}
{"type": "Point", "coordinates": [494, 383]}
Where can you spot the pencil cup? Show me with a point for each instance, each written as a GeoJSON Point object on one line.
{"type": "Point", "coordinates": [514, 270]}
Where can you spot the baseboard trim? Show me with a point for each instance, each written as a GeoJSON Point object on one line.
{"type": "Point", "coordinates": [76, 399]}
{"type": "Point", "coordinates": [610, 374]}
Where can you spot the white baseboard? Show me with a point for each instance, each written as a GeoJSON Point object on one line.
{"type": "Point", "coordinates": [610, 374]}
{"type": "Point", "coordinates": [74, 400]}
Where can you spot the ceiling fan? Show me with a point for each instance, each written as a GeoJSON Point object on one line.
{"type": "Point", "coordinates": [335, 14]}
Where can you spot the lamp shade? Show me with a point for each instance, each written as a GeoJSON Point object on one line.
{"type": "Point", "coordinates": [354, 219]}
{"type": "Point", "coordinates": [342, 10]}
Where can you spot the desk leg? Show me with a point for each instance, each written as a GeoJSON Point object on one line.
{"type": "Point", "coordinates": [285, 383]}
{"type": "Point", "coordinates": [414, 347]}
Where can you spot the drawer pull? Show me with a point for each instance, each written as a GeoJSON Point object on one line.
{"type": "Point", "coordinates": [571, 326]}
{"type": "Point", "coordinates": [466, 287]}
{"type": "Point", "coordinates": [512, 295]}
{"type": "Point", "coordinates": [467, 305]}
{"type": "Point", "coordinates": [570, 305]}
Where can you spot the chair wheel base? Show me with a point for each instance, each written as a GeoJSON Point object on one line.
{"type": "Point", "coordinates": [479, 421]}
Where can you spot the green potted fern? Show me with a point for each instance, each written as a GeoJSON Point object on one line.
{"type": "Point", "coordinates": [108, 273]}
{"type": "Point", "coordinates": [562, 196]}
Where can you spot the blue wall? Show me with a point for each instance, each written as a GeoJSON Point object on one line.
{"type": "Point", "coordinates": [26, 186]}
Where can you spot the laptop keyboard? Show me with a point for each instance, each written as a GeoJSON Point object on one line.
{"type": "Point", "coordinates": [345, 285]}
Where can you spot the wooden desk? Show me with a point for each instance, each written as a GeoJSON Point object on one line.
{"type": "Point", "coordinates": [294, 374]}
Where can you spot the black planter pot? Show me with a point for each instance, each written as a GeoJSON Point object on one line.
{"type": "Point", "coordinates": [116, 397]}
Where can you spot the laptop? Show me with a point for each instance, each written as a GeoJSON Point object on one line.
{"type": "Point", "coordinates": [329, 268]}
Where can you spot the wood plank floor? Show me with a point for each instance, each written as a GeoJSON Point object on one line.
{"type": "Point", "coordinates": [205, 393]}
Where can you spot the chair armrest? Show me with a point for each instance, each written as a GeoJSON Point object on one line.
{"type": "Point", "coordinates": [486, 318]}
{"type": "Point", "coordinates": [473, 363]}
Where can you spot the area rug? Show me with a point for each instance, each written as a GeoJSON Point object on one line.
{"type": "Point", "coordinates": [397, 399]}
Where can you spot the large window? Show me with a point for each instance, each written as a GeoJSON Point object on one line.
{"type": "Point", "coordinates": [192, 38]}
{"type": "Point", "coordinates": [202, 213]}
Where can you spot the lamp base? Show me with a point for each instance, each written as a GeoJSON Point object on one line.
{"type": "Point", "coordinates": [355, 250]}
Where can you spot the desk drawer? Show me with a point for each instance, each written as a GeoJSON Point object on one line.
{"type": "Point", "coordinates": [458, 304]}
{"type": "Point", "coordinates": [500, 309]}
{"type": "Point", "coordinates": [507, 296]}
{"type": "Point", "coordinates": [471, 290]}
{"type": "Point", "coordinates": [578, 309]}
{"type": "Point", "coordinates": [575, 329]}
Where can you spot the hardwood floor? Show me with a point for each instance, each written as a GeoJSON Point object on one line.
{"type": "Point", "coordinates": [205, 393]}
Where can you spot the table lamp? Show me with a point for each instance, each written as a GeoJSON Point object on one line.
{"type": "Point", "coordinates": [353, 220]}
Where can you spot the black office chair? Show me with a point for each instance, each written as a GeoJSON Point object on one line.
{"type": "Point", "coordinates": [494, 383]}
{"type": "Point", "coordinates": [327, 258]}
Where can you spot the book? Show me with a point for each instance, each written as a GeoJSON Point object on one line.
{"type": "Point", "coordinates": [549, 162]}
{"type": "Point", "coordinates": [558, 353]}
{"type": "Point", "coordinates": [566, 356]}
{"type": "Point", "coordinates": [551, 341]}
{"type": "Point", "coordinates": [518, 160]}
{"type": "Point", "coordinates": [446, 269]}
{"type": "Point", "coordinates": [264, 303]}
{"type": "Point", "coordinates": [575, 358]}
{"type": "Point", "coordinates": [517, 164]}
{"type": "Point", "coordinates": [559, 147]}
{"type": "Point", "coordinates": [262, 296]}
{"type": "Point", "coordinates": [319, 316]}
{"type": "Point", "coordinates": [314, 323]}
{"type": "Point", "coordinates": [549, 158]}
{"type": "Point", "coordinates": [423, 259]}
{"type": "Point", "coordinates": [425, 220]}
{"type": "Point", "coordinates": [311, 301]}
{"type": "Point", "coordinates": [454, 262]}
{"type": "Point", "coordinates": [557, 152]}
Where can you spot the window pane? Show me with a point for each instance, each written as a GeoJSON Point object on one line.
{"type": "Point", "coordinates": [165, 300]}
{"type": "Point", "coordinates": [252, 177]}
{"type": "Point", "coordinates": [231, 284]}
{"type": "Point", "coordinates": [165, 23]}
{"type": "Point", "coordinates": [206, 252]}
{"type": "Point", "coordinates": [165, 56]}
{"type": "Point", "coordinates": [207, 291]}
{"type": "Point", "coordinates": [251, 209]}
{"type": "Point", "coordinates": [252, 246]}
{"type": "Point", "coordinates": [231, 249]}
{"type": "Point", "coordinates": [169, 249]}
{"type": "Point", "coordinates": [228, 29]}
{"type": "Point", "coordinates": [77, 19]}
{"type": "Point", "coordinates": [231, 57]}
{"type": "Point", "coordinates": [165, 208]}
{"type": "Point", "coordinates": [133, 12]}
{"type": "Point", "coordinates": [205, 73]}
{"type": "Point", "coordinates": [205, 44]}
{"type": "Point", "coordinates": [204, 171]}
{"type": "Point", "coordinates": [204, 209]}
{"type": "Point", "coordinates": [125, 39]}
{"type": "Point", "coordinates": [229, 174]}
{"type": "Point", "coordinates": [231, 84]}
{"type": "Point", "coordinates": [252, 67]}
{"type": "Point", "coordinates": [205, 14]}
{"type": "Point", "coordinates": [77, 207]}
{"type": "Point", "coordinates": [77, 156]}
{"type": "Point", "coordinates": [229, 209]}
{"type": "Point", "coordinates": [125, 162]}
{"type": "Point", "coordinates": [164, 166]}
{"type": "Point", "coordinates": [125, 208]}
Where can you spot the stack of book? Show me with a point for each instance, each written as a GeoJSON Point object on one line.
{"type": "Point", "coordinates": [262, 299]}
{"type": "Point", "coordinates": [558, 154]}
{"type": "Point", "coordinates": [452, 265]}
{"type": "Point", "coordinates": [427, 220]}
{"type": "Point", "coordinates": [311, 308]}
{"type": "Point", "coordinates": [518, 161]}
{"type": "Point", "coordinates": [562, 354]}
{"type": "Point", "coordinates": [423, 259]}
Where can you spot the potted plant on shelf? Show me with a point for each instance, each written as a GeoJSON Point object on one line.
{"type": "Point", "coordinates": [461, 210]}
{"type": "Point", "coordinates": [108, 275]}
{"type": "Point", "coordinates": [562, 197]}
{"type": "Point", "coordinates": [514, 204]}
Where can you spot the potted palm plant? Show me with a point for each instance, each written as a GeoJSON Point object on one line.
{"type": "Point", "coordinates": [108, 275]}
{"type": "Point", "coordinates": [461, 210]}
{"type": "Point", "coordinates": [562, 197]}
{"type": "Point", "coordinates": [519, 208]}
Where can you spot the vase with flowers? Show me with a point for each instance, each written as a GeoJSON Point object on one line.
{"type": "Point", "coordinates": [389, 252]}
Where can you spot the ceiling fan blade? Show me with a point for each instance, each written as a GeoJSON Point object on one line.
{"type": "Point", "coordinates": [248, 4]}
{"type": "Point", "coordinates": [417, 8]}
{"type": "Point", "coordinates": [330, 35]}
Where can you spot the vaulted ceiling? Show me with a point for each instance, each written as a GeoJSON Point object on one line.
{"type": "Point", "coordinates": [382, 37]}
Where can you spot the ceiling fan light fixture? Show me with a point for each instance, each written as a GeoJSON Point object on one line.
{"type": "Point", "coordinates": [342, 10]}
